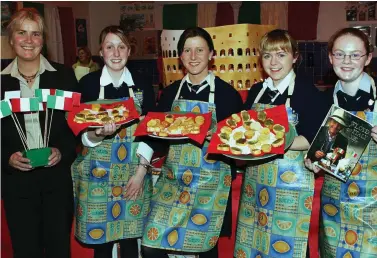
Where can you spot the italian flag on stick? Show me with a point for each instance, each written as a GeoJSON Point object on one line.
{"type": "Point", "coordinates": [26, 105]}
{"type": "Point", "coordinates": [58, 102]}
{"type": "Point", "coordinates": [5, 109]}
{"type": "Point", "coordinates": [42, 94]}
{"type": "Point", "coordinates": [69, 94]}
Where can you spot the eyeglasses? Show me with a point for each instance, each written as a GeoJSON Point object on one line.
{"type": "Point", "coordinates": [342, 56]}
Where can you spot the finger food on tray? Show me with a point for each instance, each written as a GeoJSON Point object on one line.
{"type": "Point", "coordinates": [243, 135]}
{"type": "Point", "coordinates": [176, 125]}
{"type": "Point", "coordinates": [100, 115]}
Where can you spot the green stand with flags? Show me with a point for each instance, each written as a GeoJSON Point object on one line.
{"type": "Point", "coordinates": [56, 99]}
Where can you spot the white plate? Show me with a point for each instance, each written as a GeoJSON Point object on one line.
{"type": "Point", "coordinates": [122, 123]}
{"type": "Point", "coordinates": [168, 137]}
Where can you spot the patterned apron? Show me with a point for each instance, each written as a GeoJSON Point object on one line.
{"type": "Point", "coordinates": [349, 210]}
{"type": "Point", "coordinates": [190, 197]}
{"type": "Point", "coordinates": [100, 175]}
{"type": "Point", "coordinates": [276, 203]}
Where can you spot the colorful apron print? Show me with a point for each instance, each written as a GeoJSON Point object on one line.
{"type": "Point", "coordinates": [100, 175]}
{"type": "Point", "coordinates": [349, 210]}
{"type": "Point", "coordinates": [190, 197]}
{"type": "Point", "coordinates": [275, 208]}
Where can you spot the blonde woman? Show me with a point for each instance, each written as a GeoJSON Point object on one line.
{"type": "Point", "coordinates": [38, 201]}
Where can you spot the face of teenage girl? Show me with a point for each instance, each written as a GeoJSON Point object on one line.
{"type": "Point", "coordinates": [115, 52]}
{"type": "Point", "coordinates": [346, 69]}
{"type": "Point", "coordinates": [195, 56]}
{"type": "Point", "coordinates": [277, 64]}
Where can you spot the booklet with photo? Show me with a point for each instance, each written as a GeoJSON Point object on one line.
{"type": "Point", "coordinates": [339, 143]}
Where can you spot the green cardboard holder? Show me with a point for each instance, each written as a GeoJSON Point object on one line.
{"type": "Point", "coordinates": [38, 157]}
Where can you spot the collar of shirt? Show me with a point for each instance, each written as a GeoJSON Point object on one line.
{"type": "Point", "coordinates": [12, 68]}
{"type": "Point", "coordinates": [282, 86]}
{"type": "Point", "coordinates": [364, 85]}
{"type": "Point", "coordinates": [125, 77]}
{"type": "Point", "coordinates": [201, 88]}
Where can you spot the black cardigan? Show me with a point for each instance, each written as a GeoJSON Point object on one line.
{"type": "Point", "coordinates": [89, 86]}
{"type": "Point", "coordinates": [309, 103]}
{"type": "Point", "coordinates": [61, 137]}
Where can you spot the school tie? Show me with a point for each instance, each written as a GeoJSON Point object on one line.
{"type": "Point", "coordinates": [195, 88]}
{"type": "Point", "coordinates": [271, 93]}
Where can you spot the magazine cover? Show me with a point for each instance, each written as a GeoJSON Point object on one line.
{"type": "Point", "coordinates": [339, 143]}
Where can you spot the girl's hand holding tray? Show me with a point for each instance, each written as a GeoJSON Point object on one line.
{"type": "Point", "coordinates": [251, 135]}
{"type": "Point", "coordinates": [175, 126]}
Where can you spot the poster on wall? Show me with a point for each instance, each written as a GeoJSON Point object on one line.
{"type": "Point", "coordinates": [144, 44]}
{"type": "Point", "coordinates": [7, 10]}
{"type": "Point", "coordinates": [81, 34]}
{"type": "Point", "coordinates": [137, 16]}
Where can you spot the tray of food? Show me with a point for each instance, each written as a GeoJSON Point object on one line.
{"type": "Point", "coordinates": [98, 113]}
{"type": "Point", "coordinates": [251, 135]}
{"type": "Point", "coordinates": [175, 125]}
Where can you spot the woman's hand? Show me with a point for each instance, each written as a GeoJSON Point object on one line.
{"type": "Point", "coordinates": [309, 165]}
{"type": "Point", "coordinates": [18, 162]}
{"type": "Point", "coordinates": [374, 134]}
{"type": "Point", "coordinates": [107, 129]}
{"type": "Point", "coordinates": [54, 158]}
{"type": "Point", "coordinates": [134, 188]}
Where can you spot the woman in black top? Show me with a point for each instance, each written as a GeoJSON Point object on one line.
{"type": "Point", "coordinates": [348, 209]}
{"type": "Point", "coordinates": [279, 190]}
{"type": "Point", "coordinates": [111, 205]}
{"type": "Point", "coordinates": [174, 224]}
{"type": "Point", "coordinates": [38, 201]}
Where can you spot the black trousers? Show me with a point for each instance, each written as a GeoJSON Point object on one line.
{"type": "Point", "coordinates": [39, 218]}
{"type": "Point", "coordinates": [148, 252]}
{"type": "Point", "coordinates": [128, 249]}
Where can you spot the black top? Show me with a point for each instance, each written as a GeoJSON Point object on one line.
{"type": "Point", "coordinates": [89, 86]}
{"type": "Point", "coordinates": [61, 137]}
{"type": "Point", "coordinates": [306, 101]}
{"type": "Point", "coordinates": [359, 102]}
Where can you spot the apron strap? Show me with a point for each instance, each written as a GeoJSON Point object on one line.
{"type": "Point", "coordinates": [101, 93]}
{"type": "Point", "coordinates": [211, 98]}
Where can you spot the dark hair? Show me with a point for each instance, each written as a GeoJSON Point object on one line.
{"type": "Point", "coordinates": [194, 32]}
{"type": "Point", "coordinates": [353, 32]}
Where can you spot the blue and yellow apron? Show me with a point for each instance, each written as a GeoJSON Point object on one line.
{"type": "Point", "coordinates": [191, 195]}
{"type": "Point", "coordinates": [276, 205]}
{"type": "Point", "coordinates": [100, 175]}
{"type": "Point", "coordinates": [349, 210]}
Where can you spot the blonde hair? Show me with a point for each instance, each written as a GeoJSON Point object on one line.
{"type": "Point", "coordinates": [25, 14]}
{"type": "Point", "coordinates": [114, 30]}
{"type": "Point", "coordinates": [279, 39]}
{"type": "Point", "coordinates": [86, 50]}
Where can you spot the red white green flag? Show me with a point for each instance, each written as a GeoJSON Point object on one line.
{"type": "Point", "coordinates": [42, 94]}
{"type": "Point", "coordinates": [15, 94]}
{"type": "Point", "coordinates": [58, 102]}
{"type": "Point", "coordinates": [25, 105]}
{"type": "Point", "coordinates": [5, 109]}
{"type": "Point", "coordinates": [70, 94]}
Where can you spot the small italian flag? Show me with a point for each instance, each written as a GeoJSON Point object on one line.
{"type": "Point", "coordinates": [69, 94]}
{"type": "Point", "coordinates": [5, 108]}
{"type": "Point", "coordinates": [26, 105]}
{"type": "Point", "coordinates": [15, 94]}
{"type": "Point", "coordinates": [58, 102]}
{"type": "Point", "coordinates": [42, 94]}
